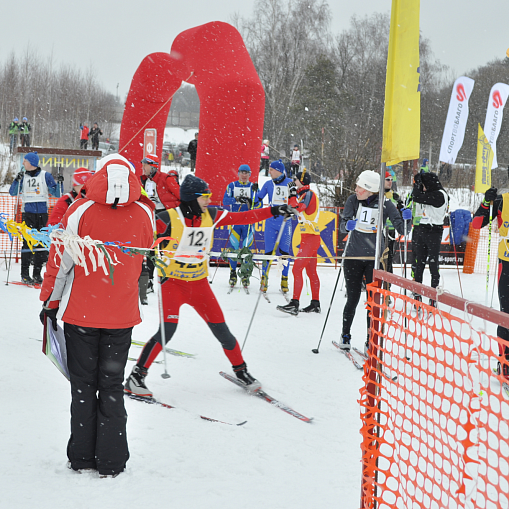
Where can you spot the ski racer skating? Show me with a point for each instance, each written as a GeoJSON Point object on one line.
{"type": "Point", "coordinates": [360, 218]}
{"type": "Point", "coordinates": [309, 211]}
{"type": "Point", "coordinates": [191, 228]}
{"type": "Point", "coordinates": [500, 210]}
{"type": "Point", "coordinates": [240, 196]}
{"type": "Point", "coordinates": [278, 192]}
{"type": "Point", "coordinates": [431, 203]}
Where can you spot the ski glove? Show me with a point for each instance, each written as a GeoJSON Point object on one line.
{"type": "Point", "coordinates": [244, 199]}
{"type": "Point", "coordinates": [292, 190]}
{"type": "Point", "coordinates": [351, 224]}
{"type": "Point", "coordinates": [51, 314]}
{"type": "Point", "coordinates": [406, 214]}
{"type": "Point", "coordinates": [490, 195]}
{"type": "Point", "coordinates": [60, 178]}
{"type": "Point", "coordinates": [254, 187]}
{"type": "Point", "coordinates": [283, 210]}
{"type": "Point", "coordinates": [19, 176]}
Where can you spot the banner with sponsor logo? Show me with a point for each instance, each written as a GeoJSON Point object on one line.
{"type": "Point", "coordinates": [454, 130]}
{"type": "Point", "coordinates": [483, 164]}
{"type": "Point", "coordinates": [494, 113]}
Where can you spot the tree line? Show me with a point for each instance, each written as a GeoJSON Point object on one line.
{"type": "Point", "coordinates": [327, 90]}
{"type": "Point", "coordinates": [55, 99]}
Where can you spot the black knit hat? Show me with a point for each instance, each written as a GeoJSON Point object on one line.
{"type": "Point", "coordinates": [192, 187]}
{"type": "Point", "coordinates": [304, 177]}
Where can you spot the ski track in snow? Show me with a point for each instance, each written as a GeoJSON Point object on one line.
{"type": "Point", "coordinates": [273, 461]}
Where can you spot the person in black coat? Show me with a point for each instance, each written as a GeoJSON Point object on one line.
{"type": "Point", "coordinates": [94, 134]}
{"type": "Point", "coordinates": [431, 204]}
{"type": "Point", "coordinates": [192, 148]}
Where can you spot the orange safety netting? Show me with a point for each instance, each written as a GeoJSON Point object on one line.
{"type": "Point", "coordinates": [434, 413]}
{"type": "Point", "coordinates": [476, 252]}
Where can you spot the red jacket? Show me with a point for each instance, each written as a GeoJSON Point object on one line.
{"type": "Point", "coordinates": [84, 133]}
{"type": "Point", "coordinates": [61, 207]}
{"type": "Point", "coordinates": [168, 188]}
{"type": "Point", "coordinates": [93, 300]}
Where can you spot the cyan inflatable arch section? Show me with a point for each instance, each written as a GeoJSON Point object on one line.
{"type": "Point", "coordinates": [214, 59]}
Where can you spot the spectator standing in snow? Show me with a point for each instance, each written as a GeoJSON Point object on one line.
{"type": "Point", "coordinates": [13, 135]}
{"type": "Point", "coordinates": [192, 148]}
{"type": "Point", "coordinates": [94, 134]}
{"type": "Point", "coordinates": [24, 130]}
{"type": "Point", "coordinates": [34, 186]}
{"type": "Point", "coordinates": [99, 316]}
{"type": "Point", "coordinates": [295, 161]}
{"type": "Point", "coordinates": [84, 136]}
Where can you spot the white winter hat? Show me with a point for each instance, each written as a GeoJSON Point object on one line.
{"type": "Point", "coordinates": [369, 180]}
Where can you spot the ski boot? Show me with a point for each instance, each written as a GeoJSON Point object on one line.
{"type": "Point", "coordinates": [344, 342]}
{"type": "Point", "coordinates": [27, 280]}
{"type": "Point", "coordinates": [433, 303]}
{"type": "Point", "coordinates": [292, 308]}
{"type": "Point", "coordinates": [243, 375]}
{"type": "Point", "coordinates": [150, 286]}
{"type": "Point", "coordinates": [135, 383]}
{"type": "Point", "coordinates": [233, 278]}
{"type": "Point", "coordinates": [284, 284]}
{"type": "Point", "coordinates": [245, 282]}
{"type": "Point", "coordinates": [37, 278]}
{"type": "Point", "coordinates": [314, 307]}
{"type": "Point", "coordinates": [264, 284]}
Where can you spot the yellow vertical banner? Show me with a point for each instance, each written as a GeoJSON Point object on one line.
{"type": "Point", "coordinates": [483, 162]}
{"type": "Point", "coordinates": [402, 112]}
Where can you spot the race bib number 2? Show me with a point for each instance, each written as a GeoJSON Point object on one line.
{"type": "Point", "coordinates": [194, 245]}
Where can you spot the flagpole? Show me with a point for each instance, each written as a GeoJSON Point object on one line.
{"type": "Point", "coordinates": [379, 228]}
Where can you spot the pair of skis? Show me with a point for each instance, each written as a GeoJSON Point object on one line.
{"type": "Point", "coordinates": [260, 394]}
{"type": "Point", "coordinates": [232, 287]}
{"type": "Point", "coordinates": [363, 357]}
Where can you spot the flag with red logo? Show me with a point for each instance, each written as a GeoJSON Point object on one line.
{"type": "Point", "coordinates": [483, 163]}
{"type": "Point", "coordinates": [402, 112]}
{"type": "Point", "coordinates": [494, 113]}
{"type": "Point", "coordinates": [457, 115]}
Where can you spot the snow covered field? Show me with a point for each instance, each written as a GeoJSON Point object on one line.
{"type": "Point", "coordinates": [177, 459]}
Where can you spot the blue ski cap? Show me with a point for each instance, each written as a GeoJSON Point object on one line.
{"type": "Point", "coordinates": [15, 119]}
{"type": "Point", "coordinates": [32, 158]}
{"type": "Point", "coordinates": [278, 166]}
{"type": "Point", "coordinates": [244, 167]}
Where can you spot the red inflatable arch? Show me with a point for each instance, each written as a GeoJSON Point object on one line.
{"type": "Point", "coordinates": [214, 59]}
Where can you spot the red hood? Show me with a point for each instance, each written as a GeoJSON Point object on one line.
{"type": "Point", "coordinates": [114, 183]}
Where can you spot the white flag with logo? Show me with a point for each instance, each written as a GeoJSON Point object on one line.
{"type": "Point", "coordinates": [494, 113]}
{"type": "Point", "coordinates": [454, 130]}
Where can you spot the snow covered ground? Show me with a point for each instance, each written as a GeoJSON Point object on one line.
{"type": "Point", "coordinates": [177, 459]}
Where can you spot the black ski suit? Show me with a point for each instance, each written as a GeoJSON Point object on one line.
{"type": "Point", "coordinates": [362, 244]}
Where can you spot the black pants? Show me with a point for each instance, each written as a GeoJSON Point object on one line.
{"type": "Point", "coordinates": [503, 297]}
{"type": "Point", "coordinates": [25, 140]}
{"type": "Point", "coordinates": [264, 166]}
{"type": "Point", "coordinates": [83, 144]}
{"type": "Point", "coordinates": [193, 163]}
{"type": "Point", "coordinates": [294, 169]}
{"type": "Point", "coordinates": [354, 271]}
{"type": "Point", "coordinates": [96, 359]}
{"type": "Point", "coordinates": [95, 144]}
{"type": "Point", "coordinates": [40, 255]}
{"type": "Point", "coordinates": [390, 244]}
{"type": "Point", "coordinates": [426, 248]}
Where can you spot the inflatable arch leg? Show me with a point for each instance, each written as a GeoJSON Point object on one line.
{"type": "Point", "coordinates": [212, 57]}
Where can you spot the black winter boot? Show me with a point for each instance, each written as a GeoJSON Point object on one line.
{"type": "Point", "coordinates": [314, 307]}
{"type": "Point", "coordinates": [292, 308]}
{"type": "Point", "coordinates": [37, 278]}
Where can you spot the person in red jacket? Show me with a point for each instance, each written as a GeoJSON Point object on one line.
{"type": "Point", "coordinates": [162, 188]}
{"type": "Point", "coordinates": [84, 136]}
{"type": "Point", "coordinates": [190, 229]}
{"type": "Point", "coordinates": [306, 202]}
{"type": "Point", "coordinates": [99, 316]}
{"type": "Point", "coordinates": [80, 176]}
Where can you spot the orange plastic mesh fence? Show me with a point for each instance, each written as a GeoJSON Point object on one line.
{"type": "Point", "coordinates": [437, 436]}
{"type": "Point", "coordinates": [7, 206]}
{"type": "Point", "coordinates": [476, 254]}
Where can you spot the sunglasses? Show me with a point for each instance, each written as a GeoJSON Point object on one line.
{"type": "Point", "coordinates": [205, 195]}
{"type": "Point", "coordinates": [389, 179]}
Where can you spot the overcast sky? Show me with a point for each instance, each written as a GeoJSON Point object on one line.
{"type": "Point", "coordinates": [114, 36]}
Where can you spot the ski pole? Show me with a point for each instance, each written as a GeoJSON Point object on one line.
{"type": "Point", "coordinates": [12, 241]}
{"type": "Point", "coordinates": [316, 350]}
{"type": "Point", "coordinates": [161, 320]}
{"type": "Point", "coordinates": [274, 251]}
